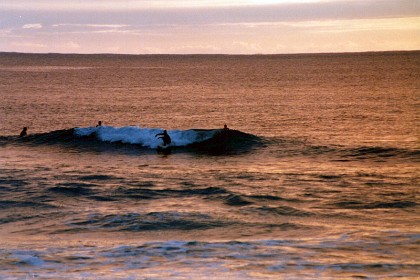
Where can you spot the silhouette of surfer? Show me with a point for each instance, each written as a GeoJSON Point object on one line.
{"type": "Point", "coordinates": [225, 127]}
{"type": "Point", "coordinates": [99, 124]}
{"type": "Point", "coordinates": [165, 137]}
{"type": "Point", "coordinates": [24, 132]}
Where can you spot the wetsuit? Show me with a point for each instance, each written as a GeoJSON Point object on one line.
{"type": "Point", "coordinates": [23, 133]}
{"type": "Point", "coordinates": [165, 138]}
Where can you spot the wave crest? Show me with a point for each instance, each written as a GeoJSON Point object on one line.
{"type": "Point", "coordinates": [144, 136]}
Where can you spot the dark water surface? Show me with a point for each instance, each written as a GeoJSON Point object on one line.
{"type": "Point", "coordinates": [316, 178]}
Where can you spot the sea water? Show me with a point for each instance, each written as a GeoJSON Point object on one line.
{"type": "Point", "coordinates": [316, 177]}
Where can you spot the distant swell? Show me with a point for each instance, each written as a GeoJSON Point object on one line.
{"type": "Point", "coordinates": [7, 204]}
{"type": "Point", "coordinates": [73, 189]}
{"type": "Point", "coordinates": [145, 193]}
{"type": "Point", "coordinates": [149, 221]}
{"type": "Point", "coordinates": [382, 152]}
{"type": "Point", "coordinates": [374, 153]}
{"type": "Point", "coordinates": [284, 211]}
{"type": "Point", "coordinates": [375, 205]}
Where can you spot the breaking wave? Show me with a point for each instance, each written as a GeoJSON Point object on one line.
{"type": "Point", "coordinates": [208, 141]}
{"type": "Point", "coordinates": [145, 137]}
{"type": "Point", "coordinates": [214, 141]}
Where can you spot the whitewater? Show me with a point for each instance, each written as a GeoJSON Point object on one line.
{"type": "Point", "coordinates": [145, 137]}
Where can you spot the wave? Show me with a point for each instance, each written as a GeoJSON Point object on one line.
{"type": "Point", "coordinates": [382, 152]}
{"type": "Point", "coordinates": [135, 139]}
{"type": "Point", "coordinates": [148, 222]}
{"type": "Point", "coordinates": [199, 140]}
{"type": "Point", "coordinates": [284, 211]}
{"type": "Point", "coordinates": [375, 205]}
{"type": "Point", "coordinates": [161, 221]}
{"type": "Point", "coordinates": [108, 137]}
{"type": "Point", "coordinates": [145, 137]}
{"type": "Point", "coordinates": [297, 148]}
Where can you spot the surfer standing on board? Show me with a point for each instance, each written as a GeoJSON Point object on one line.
{"type": "Point", "coordinates": [165, 137]}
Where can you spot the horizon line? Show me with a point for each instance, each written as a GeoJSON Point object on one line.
{"type": "Point", "coordinates": [205, 54]}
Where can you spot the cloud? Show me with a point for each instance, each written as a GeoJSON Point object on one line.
{"type": "Point", "coordinates": [28, 45]}
{"type": "Point", "coordinates": [70, 45]}
{"type": "Point", "coordinates": [88, 28]}
{"type": "Point", "coordinates": [108, 5]}
{"type": "Point", "coordinates": [248, 47]}
{"type": "Point", "coordinates": [32, 26]}
{"type": "Point", "coordinates": [90, 25]}
{"type": "Point", "coordinates": [333, 26]}
{"type": "Point", "coordinates": [126, 13]}
{"type": "Point", "coordinates": [195, 48]}
{"type": "Point", "coordinates": [190, 26]}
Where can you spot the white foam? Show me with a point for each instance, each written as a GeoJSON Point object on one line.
{"type": "Point", "coordinates": [28, 258]}
{"type": "Point", "coordinates": [143, 136]}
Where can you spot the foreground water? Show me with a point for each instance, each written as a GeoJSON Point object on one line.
{"type": "Point", "coordinates": [317, 177]}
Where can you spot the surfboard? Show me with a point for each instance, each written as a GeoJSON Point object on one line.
{"type": "Point", "coordinates": [164, 149]}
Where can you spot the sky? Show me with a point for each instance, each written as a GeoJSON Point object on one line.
{"type": "Point", "coordinates": [208, 27]}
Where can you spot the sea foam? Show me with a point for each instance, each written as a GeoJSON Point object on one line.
{"type": "Point", "coordinates": [143, 136]}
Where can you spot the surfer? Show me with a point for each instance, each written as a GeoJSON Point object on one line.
{"type": "Point", "coordinates": [24, 132]}
{"type": "Point", "coordinates": [99, 124]}
{"type": "Point", "coordinates": [165, 137]}
{"type": "Point", "coordinates": [225, 127]}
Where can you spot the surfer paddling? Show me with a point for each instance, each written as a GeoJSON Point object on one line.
{"type": "Point", "coordinates": [24, 132]}
{"type": "Point", "coordinates": [165, 137]}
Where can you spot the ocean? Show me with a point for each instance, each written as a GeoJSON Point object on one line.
{"type": "Point", "coordinates": [317, 176]}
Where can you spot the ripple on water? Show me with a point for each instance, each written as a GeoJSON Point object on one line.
{"type": "Point", "coordinates": [354, 204]}
{"type": "Point", "coordinates": [154, 221]}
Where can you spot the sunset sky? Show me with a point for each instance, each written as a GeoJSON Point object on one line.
{"type": "Point", "coordinates": [204, 26]}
